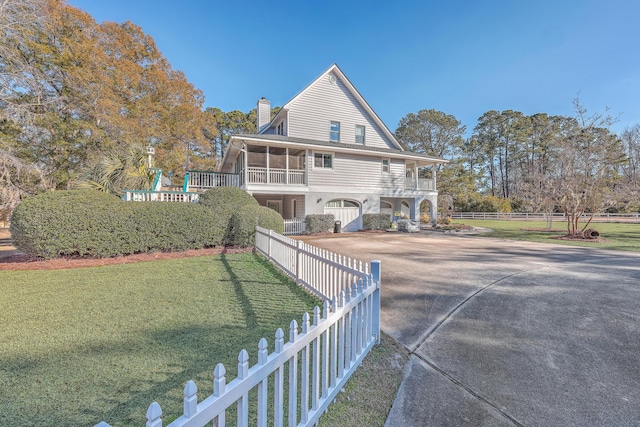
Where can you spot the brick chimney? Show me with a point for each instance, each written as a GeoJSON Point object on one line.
{"type": "Point", "coordinates": [263, 113]}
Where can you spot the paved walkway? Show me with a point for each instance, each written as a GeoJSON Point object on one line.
{"type": "Point", "coordinates": [506, 333]}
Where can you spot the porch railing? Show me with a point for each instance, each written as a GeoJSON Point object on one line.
{"type": "Point", "coordinates": [256, 175]}
{"type": "Point", "coordinates": [423, 184]}
{"type": "Point", "coordinates": [203, 180]}
{"type": "Point", "coordinates": [160, 196]}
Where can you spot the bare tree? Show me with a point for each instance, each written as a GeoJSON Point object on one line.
{"type": "Point", "coordinates": [585, 158]}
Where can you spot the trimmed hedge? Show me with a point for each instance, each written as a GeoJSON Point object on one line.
{"type": "Point", "coordinates": [226, 201]}
{"type": "Point", "coordinates": [96, 224]}
{"type": "Point", "coordinates": [242, 226]}
{"type": "Point", "coordinates": [319, 223]}
{"type": "Point", "coordinates": [376, 221]}
{"type": "Point", "coordinates": [242, 213]}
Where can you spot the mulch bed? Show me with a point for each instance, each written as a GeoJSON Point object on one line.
{"type": "Point", "coordinates": [23, 262]}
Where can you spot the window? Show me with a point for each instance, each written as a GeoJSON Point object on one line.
{"type": "Point", "coordinates": [385, 165]}
{"type": "Point", "coordinates": [294, 208]}
{"type": "Point", "coordinates": [334, 133]}
{"type": "Point", "coordinates": [322, 160]}
{"type": "Point", "coordinates": [276, 205]}
{"type": "Point", "coordinates": [280, 128]}
{"type": "Point", "coordinates": [338, 203]}
{"type": "Point", "coordinates": [359, 134]}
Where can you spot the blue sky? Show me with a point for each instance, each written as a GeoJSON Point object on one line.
{"type": "Point", "coordinates": [460, 57]}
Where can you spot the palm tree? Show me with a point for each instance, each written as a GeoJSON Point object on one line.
{"type": "Point", "coordinates": [119, 170]}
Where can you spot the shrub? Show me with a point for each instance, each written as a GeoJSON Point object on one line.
{"type": "Point", "coordinates": [242, 226]}
{"type": "Point", "coordinates": [376, 221]}
{"type": "Point", "coordinates": [237, 209]}
{"type": "Point", "coordinates": [225, 201]}
{"type": "Point", "coordinates": [319, 223]}
{"type": "Point", "coordinates": [92, 223]}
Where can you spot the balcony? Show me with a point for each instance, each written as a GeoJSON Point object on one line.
{"type": "Point", "coordinates": [422, 184]}
{"type": "Point", "coordinates": [256, 175]}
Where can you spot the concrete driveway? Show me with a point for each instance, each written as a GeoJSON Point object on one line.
{"type": "Point", "coordinates": [506, 333]}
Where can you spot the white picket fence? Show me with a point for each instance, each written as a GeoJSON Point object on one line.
{"type": "Point", "coordinates": [295, 226]}
{"type": "Point", "coordinates": [319, 358]}
{"type": "Point", "coordinates": [323, 273]}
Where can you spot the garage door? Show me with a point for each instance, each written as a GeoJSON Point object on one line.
{"type": "Point", "coordinates": [347, 212]}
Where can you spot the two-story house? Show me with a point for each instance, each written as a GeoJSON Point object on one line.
{"type": "Point", "coordinates": [327, 151]}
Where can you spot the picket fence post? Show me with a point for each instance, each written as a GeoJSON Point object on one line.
{"type": "Point", "coordinates": [376, 272]}
{"type": "Point", "coordinates": [154, 415]}
{"type": "Point", "coordinates": [190, 399]}
{"type": "Point", "coordinates": [219, 386]}
{"type": "Point", "coordinates": [263, 386]}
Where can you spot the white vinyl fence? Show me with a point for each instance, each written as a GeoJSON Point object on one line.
{"type": "Point", "coordinates": [295, 226]}
{"type": "Point", "coordinates": [323, 273]}
{"type": "Point", "coordinates": [541, 216]}
{"type": "Point", "coordinates": [318, 359]}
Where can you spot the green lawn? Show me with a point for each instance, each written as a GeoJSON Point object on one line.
{"type": "Point", "coordinates": [621, 236]}
{"type": "Point", "coordinates": [84, 345]}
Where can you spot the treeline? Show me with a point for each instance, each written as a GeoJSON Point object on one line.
{"type": "Point", "coordinates": [534, 163]}
{"type": "Point", "coordinates": [80, 99]}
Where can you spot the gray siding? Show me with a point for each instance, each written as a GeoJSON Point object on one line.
{"type": "Point", "coordinates": [311, 113]}
{"type": "Point", "coordinates": [359, 173]}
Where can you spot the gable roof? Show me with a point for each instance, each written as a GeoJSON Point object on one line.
{"type": "Point", "coordinates": [354, 92]}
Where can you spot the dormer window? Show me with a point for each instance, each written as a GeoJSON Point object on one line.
{"type": "Point", "coordinates": [280, 128]}
{"type": "Point", "coordinates": [359, 134]}
{"type": "Point", "coordinates": [334, 132]}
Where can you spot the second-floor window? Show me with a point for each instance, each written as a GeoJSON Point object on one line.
{"type": "Point", "coordinates": [385, 165]}
{"type": "Point", "coordinates": [359, 134]}
{"type": "Point", "coordinates": [322, 161]}
{"type": "Point", "coordinates": [334, 132]}
{"type": "Point", "coordinates": [280, 128]}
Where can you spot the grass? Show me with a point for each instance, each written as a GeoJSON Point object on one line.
{"type": "Point", "coordinates": [85, 345]}
{"type": "Point", "coordinates": [368, 395]}
{"type": "Point", "coordinates": [620, 236]}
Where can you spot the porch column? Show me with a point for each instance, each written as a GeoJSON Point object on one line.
{"type": "Point", "coordinates": [286, 160]}
{"type": "Point", "coordinates": [267, 154]}
{"type": "Point", "coordinates": [434, 210]}
{"type": "Point", "coordinates": [414, 209]}
{"type": "Point", "coordinates": [415, 173]}
{"type": "Point", "coordinates": [433, 173]}
{"type": "Point", "coordinates": [245, 166]}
